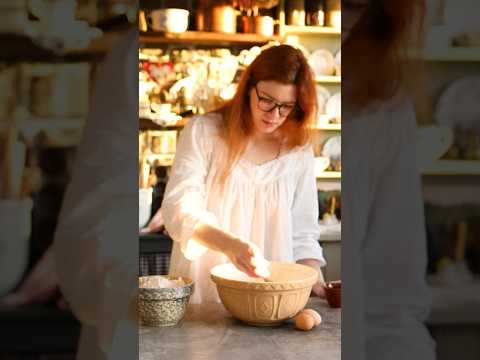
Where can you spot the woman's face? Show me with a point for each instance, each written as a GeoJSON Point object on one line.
{"type": "Point", "coordinates": [270, 104]}
{"type": "Point", "coordinates": [352, 11]}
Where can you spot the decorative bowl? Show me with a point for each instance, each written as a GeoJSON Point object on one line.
{"type": "Point", "coordinates": [163, 306]}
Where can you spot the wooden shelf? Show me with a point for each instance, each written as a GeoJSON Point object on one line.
{"type": "Point", "coordinates": [329, 127]}
{"type": "Point", "coordinates": [311, 30]}
{"type": "Point", "coordinates": [328, 79]}
{"type": "Point", "coordinates": [18, 47]}
{"type": "Point", "coordinates": [147, 124]}
{"type": "Point", "coordinates": [453, 168]}
{"type": "Point", "coordinates": [330, 175]}
{"type": "Point", "coordinates": [452, 54]}
{"type": "Point", "coordinates": [203, 37]}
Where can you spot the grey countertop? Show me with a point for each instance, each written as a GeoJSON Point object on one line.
{"type": "Point", "coordinates": [209, 332]}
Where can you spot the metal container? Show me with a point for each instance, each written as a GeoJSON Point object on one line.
{"type": "Point", "coordinates": [163, 306]}
{"type": "Point", "coordinates": [224, 19]}
{"type": "Point", "coordinates": [296, 12]}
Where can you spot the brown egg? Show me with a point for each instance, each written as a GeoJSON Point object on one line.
{"type": "Point", "coordinates": [316, 316]}
{"type": "Point", "coordinates": [304, 321]}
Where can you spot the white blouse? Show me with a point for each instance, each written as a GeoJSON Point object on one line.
{"type": "Point", "coordinates": [274, 205]}
{"type": "Point", "coordinates": [385, 297]}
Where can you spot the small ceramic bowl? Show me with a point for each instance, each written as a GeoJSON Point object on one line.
{"type": "Point", "coordinates": [163, 306]}
{"type": "Point", "coordinates": [333, 292]}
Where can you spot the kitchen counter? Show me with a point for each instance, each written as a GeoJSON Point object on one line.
{"type": "Point", "coordinates": [209, 332]}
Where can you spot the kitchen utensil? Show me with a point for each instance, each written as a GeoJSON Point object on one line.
{"type": "Point", "coordinates": [261, 303]}
{"type": "Point", "coordinates": [333, 292]}
{"type": "Point", "coordinates": [15, 222]}
{"type": "Point", "coordinates": [458, 107]}
{"type": "Point", "coordinates": [163, 306]}
{"type": "Point", "coordinates": [224, 19]}
{"type": "Point", "coordinates": [169, 20]}
{"type": "Point", "coordinates": [322, 62]}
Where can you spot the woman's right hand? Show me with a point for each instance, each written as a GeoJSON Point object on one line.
{"type": "Point", "coordinates": [248, 258]}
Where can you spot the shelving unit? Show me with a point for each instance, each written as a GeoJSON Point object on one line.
{"type": "Point", "coordinates": [329, 127]}
{"type": "Point", "coordinates": [311, 30]}
{"type": "Point", "coordinates": [451, 54]}
{"type": "Point", "coordinates": [328, 79]}
{"type": "Point", "coordinates": [453, 168]}
{"type": "Point", "coordinates": [330, 175]}
{"type": "Point", "coordinates": [152, 38]}
{"type": "Point", "coordinates": [22, 48]}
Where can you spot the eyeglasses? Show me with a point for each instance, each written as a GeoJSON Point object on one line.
{"type": "Point", "coordinates": [267, 105]}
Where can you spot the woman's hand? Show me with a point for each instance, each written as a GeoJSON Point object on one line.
{"type": "Point", "coordinates": [319, 290]}
{"type": "Point", "coordinates": [40, 286]}
{"type": "Point", "coordinates": [156, 224]}
{"type": "Point", "coordinates": [247, 258]}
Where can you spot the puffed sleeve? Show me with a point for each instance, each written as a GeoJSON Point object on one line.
{"type": "Point", "coordinates": [184, 202]}
{"type": "Point", "coordinates": [306, 231]}
{"type": "Point", "coordinates": [394, 251]}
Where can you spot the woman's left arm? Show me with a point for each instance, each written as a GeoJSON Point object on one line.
{"type": "Point", "coordinates": [306, 231]}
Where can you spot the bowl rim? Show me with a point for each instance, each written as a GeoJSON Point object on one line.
{"type": "Point", "coordinates": [269, 285]}
{"type": "Point", "coordinates": [189, 282]}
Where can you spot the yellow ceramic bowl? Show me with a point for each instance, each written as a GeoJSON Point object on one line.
{"type": "Point", "coordinates": [261, 303]}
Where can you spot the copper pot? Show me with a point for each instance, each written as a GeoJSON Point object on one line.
{"type": "Point", "coordinates": [264, 25]}
{"type": "Point", "coordinates": [224, 19]}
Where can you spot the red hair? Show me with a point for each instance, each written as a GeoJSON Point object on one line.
{"type": "Point", "coordinates": [375, 54]}
{"type": "Point", "coordinates": [284, 64]}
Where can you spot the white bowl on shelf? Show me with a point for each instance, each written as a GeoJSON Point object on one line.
{"type": "Point", "coordinates": [144, 206]}
{"type": "Point", "coordinates": [169, 20]}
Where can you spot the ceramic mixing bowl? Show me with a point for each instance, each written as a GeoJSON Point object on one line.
{"type": "Point", "coordinates": [260, 303]}
{"type": "Point", "coordinates": [160, 304]}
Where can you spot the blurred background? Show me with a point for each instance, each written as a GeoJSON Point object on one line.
{"type": "Point", "coordinates": [50, 52]}
{"type": "Point", "coordinates": [189, 65]}
{"type": "Point", "coordinates": [449, 160]}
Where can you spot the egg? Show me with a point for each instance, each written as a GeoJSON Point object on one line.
{"type": "Point", "coordinates": [316, 316]}
{"type": "Point", "coordinates": [304, 321]}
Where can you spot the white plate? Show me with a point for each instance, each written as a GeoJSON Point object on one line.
{"type": "Point", "coordinates": [322, 62]}
{"type": "Point", "coordinates": [333, 148]}
{"type": "Point", "coordinates": [338, 63]}
{"type": "Point", "coordinates": [432, 143]}
{"type": "Point", "coordinates": [458, 105]}
{"type": "Point", "coordinates": [334, 106]}
{"type": "Point", "coordinates": [322, 98]}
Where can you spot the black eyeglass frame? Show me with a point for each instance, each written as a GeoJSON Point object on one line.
{"type": "Point", "coordinates": [280, 106]}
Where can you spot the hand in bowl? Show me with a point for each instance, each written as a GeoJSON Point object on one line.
{"type": "Point", "coordinates": [248, 258]}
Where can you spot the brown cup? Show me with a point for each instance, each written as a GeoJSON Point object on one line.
{"type": "Point", "coordinates": [333, 292]}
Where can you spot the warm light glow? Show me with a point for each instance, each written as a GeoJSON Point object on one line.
{"type": "Point", "coordinates": [336, 19]}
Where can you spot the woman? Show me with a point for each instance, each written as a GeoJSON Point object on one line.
{"type": "Point", "coordinates": [385, 297]}
{"type": "Point", "coordinates": [243, 184]}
